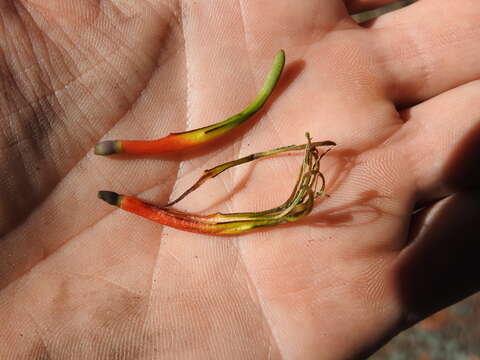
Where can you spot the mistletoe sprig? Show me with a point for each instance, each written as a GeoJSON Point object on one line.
{"type": "Point", "coordinates": [185, 140]}
{"type": "Point", "coordinates": [298, 205]}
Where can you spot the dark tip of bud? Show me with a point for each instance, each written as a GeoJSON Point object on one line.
{"type": "Point", "coordinates": [107, 147]}
{"type": "Point", "coordinates": [109, 196]}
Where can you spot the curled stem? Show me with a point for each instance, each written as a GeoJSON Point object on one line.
{"type": "Point", "coordinates": [298, 205]}
{"type": "Point", "coordinates": [217, 170]}
{"type": "Point", "coordinates": [187, 139]}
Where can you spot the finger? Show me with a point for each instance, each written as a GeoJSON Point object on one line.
{"type": "Point", "coordinates": [440, 142]}
{"type": "Point", "coordinates": [355, 6]}
{"type": "Point", "coordinates": [429, 47]}
{"type": "Point", "coordinates": [440, 266]}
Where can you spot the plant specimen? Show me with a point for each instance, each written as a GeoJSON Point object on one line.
{"type": "Point", "coordinates": [298, 205]}
{"type": "Point", "coordinates": [188, 139]}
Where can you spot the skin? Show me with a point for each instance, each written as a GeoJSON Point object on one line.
{"type": "Point", "coordinates": [82, 278]}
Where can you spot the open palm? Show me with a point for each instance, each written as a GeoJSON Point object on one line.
{"type": "Point", "coordinates": [82, 280]}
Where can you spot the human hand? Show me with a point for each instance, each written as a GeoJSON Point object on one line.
{"type": "Point", "coordinates": [83, 280]}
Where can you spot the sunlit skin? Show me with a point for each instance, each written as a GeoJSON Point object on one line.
{"type": "Point", "coordinates": [82, 279]}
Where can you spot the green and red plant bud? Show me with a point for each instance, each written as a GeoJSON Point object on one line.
{"type": "Point", "coordinates": [185, 140]}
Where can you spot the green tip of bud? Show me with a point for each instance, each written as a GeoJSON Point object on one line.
{"type": "Point", "coordinates": [108, 147]}
{"type": "Point", "coordinates": [110, 197]}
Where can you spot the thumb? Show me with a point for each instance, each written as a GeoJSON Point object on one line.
{"type": "Point", "coordinates": [440, 266]}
